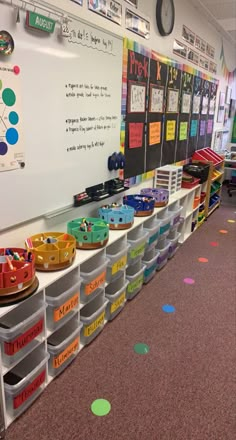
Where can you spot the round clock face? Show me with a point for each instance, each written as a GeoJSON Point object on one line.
{"type": "Point", "coordinates": [165, 15]}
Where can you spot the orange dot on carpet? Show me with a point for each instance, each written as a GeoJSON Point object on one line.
{"type": "Point", "coordinates": [223, 231]}
{"type": "Point", "coordinates": [203, 260]}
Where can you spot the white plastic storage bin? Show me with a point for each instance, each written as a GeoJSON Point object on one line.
{"type": "Point", "coordinates": [63, 346]}
{"type": "Point", "coordinates": [163, 248]}
{"type": "Point", "coordinates": [115, 292]}
{"type": "Point", "coordinates": [63, 299]}
{"type": "Point", "coordinates": [93, 318]}
{"type": "Point", "coordinates": [152, 226]}
{"type": "Point", "coordinates": [165, 223]}
{"type": "Point", "coordinates": [117, 255]}
{"type": "Point", "coordinates": [93, 275]}
{"type": "Point", "coordinates": [150, 261]}
{"type": "Point", "coordinates": [22, 330]}
{"type": "Point", "coordinates": [175, 215]}
{"type": "Point", "coordinates": [173, 238]}
{"type": "Point", "coordinates": [137, 240]}
{"type": "Point", "coordinates": [135, 276]}
{"type": "Point", "coordinates": [24, 383]}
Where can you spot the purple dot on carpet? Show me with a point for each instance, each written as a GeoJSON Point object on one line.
{"type": "Point", "coordinates": [189, 281]}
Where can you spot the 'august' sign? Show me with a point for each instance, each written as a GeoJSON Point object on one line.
{"type": "Point", "coordinates": [40, 22]}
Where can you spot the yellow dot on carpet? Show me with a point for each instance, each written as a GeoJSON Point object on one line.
{"type": "Point", "coordinates": [231, 221]}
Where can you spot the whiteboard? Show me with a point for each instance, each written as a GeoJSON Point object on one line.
{"type": "Point", "coordinates": [69, 102]}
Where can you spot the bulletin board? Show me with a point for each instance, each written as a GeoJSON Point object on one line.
{"type": "Point", "coordinates": [68, 99]}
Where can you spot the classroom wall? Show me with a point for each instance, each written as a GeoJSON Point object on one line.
{"type": "Point", "coordinates": [185, 14]}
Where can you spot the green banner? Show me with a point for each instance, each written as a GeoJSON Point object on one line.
{"type": "Point", "coordinates": [40, 22]}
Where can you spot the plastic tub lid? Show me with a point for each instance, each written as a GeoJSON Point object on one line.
{"type": "Point", "coordinates": [55, 300]}
{"type": "Point", "coordinates": [119, 254]}
{"type": "Point", "coordinates": [93, 273]}
{"type": "Point", "coordinates": [6, 333]}
{"type": "Point", "coordinates": [138, 239]}
{"type": "Point", "coordinates": [55, 348]}
{"type": "Point", "coordinates": [113, 297]}
{"type": "Point", "coordinates": [89, 318]}
{"type": "Point", "coordinates": [131, 277]}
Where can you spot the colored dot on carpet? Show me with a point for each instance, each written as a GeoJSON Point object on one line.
{"type": "Point", "coordinates": [189, 281]}
{"type": "Point", "coordinates": [223, 231]}
{"type": "Point", "coordinates": [214, 243]}
{"type": "Point", "coordinates": [141, 348]}
{"type": "Point", "coordinates": [100, 407]}
{"type": "Point", "coordinates": [167, 308]}
{"type": "Point", "coordinates": [203, 260]}
{"type": "Point", "coordinates": [231, 221]}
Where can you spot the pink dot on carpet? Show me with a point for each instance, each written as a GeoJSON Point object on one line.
{"type": "Point", "coordinates": [189, 281]}
{"type": "Point", "coordinates": [214, 243]}
{"type": "Point", "coordinates": [203, 260]}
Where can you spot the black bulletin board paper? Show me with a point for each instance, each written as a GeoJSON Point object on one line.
{"type": "Point", "coordinates": [173, 84]}
{"type": "Point", "coordinates": [184, 116]}
{"type": "Point", "coordinates": [204, 114]}
{"type": "Point", "coordinates": [195, 115]}
{"type": "Point", "coordinates": [137, 80]}
{"type": "Point", "coordinates": [157, 93]}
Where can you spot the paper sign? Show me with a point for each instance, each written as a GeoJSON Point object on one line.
{"type": "Point", "coordinates": [173, 101]}
{"type": "Point", "coordinates": [183, 131]}
{"type": "Point", "coordinates": [66, 354]}
{"type": "Point", "coordinates": [157, 100]}
{"type": "Point", "coordinates": [40, 22]}
{"type": "Point", "coordinates": [138, 251]}
{"type": "Point", "coordinates": [12, 347]}
{"type": "Point", "coordinates": [186, 103]}
{"type": "Point", "coordinates": [66, 308]}
{"type": "Point", "coordinates": [135, 134]}
{"type": "Point", "coordinates": [209, 126]}
{"type": "Point", "coordinates": [202, 128]}
{"type": "Point", "coordinates": [137, 98]}
{"type": "Point", "coordinates": [118, 303]}
{"type": "Point", "coordinates": [135, 284]}
{"type": "Point", "coordinates": [193, 128]}
{"type": "Point", "coordinates": [29, 390]}
{"type": "Point", "coordinates": [196, 104]}
{"type": "Point", "coordinates": [205, 100]}
{"type": "Point", "coordinates": [90, 329]}
{"type": "Point", "coordinates": [154, 133]}
{"type": "Point", "coordinates": [170, 130]}
{"type": "Point", "coordinates": [212, 106]}
{"type": "Point", "coordinates": [119, 265]}
{"type": "Point", "coordinates": [89, 288]}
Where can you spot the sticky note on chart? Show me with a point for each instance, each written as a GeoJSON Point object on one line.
{"type": "Point", "coordinates": [193, 128]}
{"type": "Point", "coordinates": [136, 134]}
{"type": "Point", "coordinates": [170, 130]}
{"type": "Point", "coordinates": [154, 133]}
{"type": "Point", "coordinates": [183, 131]}
{"type": "Point", "coordinates": [202, 128]}
{"type": "Point", "coordinates": [209, 126]}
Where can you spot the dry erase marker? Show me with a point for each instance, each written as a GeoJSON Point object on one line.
{"type": "Point", "coordinates": [10, 264]}
{"type": "Point", "coordinates": [68, 245]}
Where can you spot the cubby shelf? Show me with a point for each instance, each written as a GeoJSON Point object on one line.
{"type": "Point", "coordinates": [119, 239]}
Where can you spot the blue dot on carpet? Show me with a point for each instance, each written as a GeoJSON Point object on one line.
{"type": "Point", "coordinates": [167, 308]}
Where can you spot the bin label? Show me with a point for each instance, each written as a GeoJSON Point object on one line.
{"type": "Point", "coordinates": [90, 329]}
{"type": "Point", "coordinates": [120, 264]}
{"type": "Point", "coordinates": [118, 303]}
{"type": "Point", "coordinates": [29, 390]}
{"type": "Point", "coordinates": [135, 284]}
{"type": "Point", "coordinates": [139, 250]}
{"type": "Point", "coordinates": [164, 228]}
{"type": "Point", "coordinates": [12, 347]}
{"type": "Point", "coordinates": [153, 238]}
{"type": "Point", "coordinates": [66, 308]}
{"type": "Point", "coordinates": [89, 288]}
{"type": "Point", "coordinates": [66, 354]}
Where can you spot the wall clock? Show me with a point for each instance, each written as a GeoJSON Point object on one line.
{"type": "Point", "coordinates": [165, 16]}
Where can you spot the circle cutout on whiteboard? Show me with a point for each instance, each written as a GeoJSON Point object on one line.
{"type": "Point", "coordinates": [13, 118]}
{"type": "Point", "coordinates": [3, 148]}
{"type": "Point", "coordinates": [12, 136]}
{"type": "Point", "coordinates": [8, 97]}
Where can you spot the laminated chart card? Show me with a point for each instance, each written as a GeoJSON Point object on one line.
{"type": "Point", "coordinates": [137, 97]}
{"type": "Point", "coordinates": [173, 101]}
{"type": "Point", "coordinates": [170, 130]}
{"type": "Point", "coordinates": [136, 134]}
{"type": "Point", "coordinates": [186, 103]}
{"type": "Point", "coordinates": [156, 99]}
{"type": "Point", "coordinates": [196, 104]}
{"type": "Point", "coordinates": [193, 128]}
{"type": "Point", "coordinates": [183, 131]}
{"type": "Point", "coordinates": [154, 133]}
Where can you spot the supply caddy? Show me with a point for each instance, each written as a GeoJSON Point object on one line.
{"type": "Point", "coordinates": [118, 216]}
{"type": "Point", "coordinates": [160, 195]}
{"type": "Point", "coordinates": [90, 233]}
{"type": "Point", "coordinates": [143, 205]}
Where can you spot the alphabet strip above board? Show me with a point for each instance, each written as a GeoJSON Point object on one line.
{"type": "Point", "coordinates": [160, 124]}
{"type": "Point", "coordinates": [67, 100]}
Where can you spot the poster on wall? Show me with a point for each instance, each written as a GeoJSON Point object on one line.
{"type": "Point", "coordinates": [212, 67]}
{"type": "Point", "coordinates": [12, 151]}
{"type": "Point", "coordinates": [193, 56]}
{"type": "Point", "coordinates": [184, 117]}
{"type": "Point", "coordinates": [188, 35]}
{"type": "Point", "coordinates": [180, 49]}
{"type": "Point", "coordinates": [186, 102]}
{"type": "Point", "coordinates": [157, 99]}
{"type": "Point", "coordinates": [173, 101]}
{"type": "Point", "coordinates": [210, 51]}
{"type": "Point", "coordinates": [137, 24]}
{"type": "Point", "coordinates": [112, 10]}
{"type": "Point", "coordinates": [137, 97]}
{"type": "Point", "coordinates": [212, 104]}
{"type": "Point", "coordinates": [203, 62]}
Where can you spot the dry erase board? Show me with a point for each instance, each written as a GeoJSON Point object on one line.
{"type": "Point", "coordinates": [60, 116]}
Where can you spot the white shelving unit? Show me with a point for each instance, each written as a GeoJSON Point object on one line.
{"type": "Point", "coordinates": [184, 198]}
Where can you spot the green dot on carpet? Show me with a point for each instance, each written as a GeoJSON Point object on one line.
{"type": "Point", "coordinates": [141, 348]}
{"type": "Point", "coordinates": [100, 407]}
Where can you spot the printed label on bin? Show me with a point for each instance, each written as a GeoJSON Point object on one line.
{"type": "Point", "coordinates": [163, 257]}
{"type": "Point", "coordinates": [153, 238]}
{"type": "Point", "coordinates": [118, 303]}
{"type": "Point", "coordinates": [12, 347]}
{"type": "Point", "coordinates": [120, 264]}
{"type": "Point", "coordinates": [177, 219]}
{"type": "Point", "coordinates": [68, 352]}
{"type": "Point", "coordinates": [151, 269]}
{"type": "Point", "coordinates": [29, 390]}
{"type": "Point", "coordinates": [66, 308]}
{"type": "Point", "coordinates": [135, 284]}
{"type": "Point", "coordinates": [90, 329]}
{"type": "Point", "coordinates": [164, 228]}
{"type": "Point", "coordinates": [139, 250]}
{"type": "Point", "coordinates": [89, 288]}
